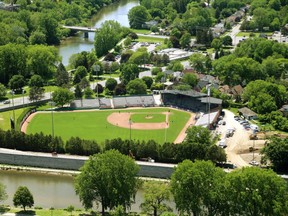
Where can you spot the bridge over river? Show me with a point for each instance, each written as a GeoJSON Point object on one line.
{"type": "Point", "coordinates": [86, 30]}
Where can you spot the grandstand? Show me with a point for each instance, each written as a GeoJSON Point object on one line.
{"type": "Point", "coordinates": [190, 100]}
{"type": "Point", "coordinates": [105, 103]}
{"type": "Point", "coordinates": [134, 101]}
{"type": "Point", "coordinates": [85, 103]}
{"type": "Point", "coordinates": [115, 102]}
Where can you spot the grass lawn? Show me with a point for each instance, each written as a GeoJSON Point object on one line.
{"type": "Point", "coordinates": [150, 39]}
{"type": "Point", "coordinates": [148, 118]}
{"type": "Point", "coordinates": [5, 118]}
{"type": "Point", "coordinates": [242, 34]}
{"type": "Point", "coordinates": [48, 212]}
{"type": "Point", "coordinates": [141, 31]}
{"type": "Point", "coordinates": [93, 125]}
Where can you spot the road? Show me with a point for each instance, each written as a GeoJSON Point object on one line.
{"type": "Point", "coordinates": [22, 101]}
{"type": "Point", "coordinates": [233, 34]}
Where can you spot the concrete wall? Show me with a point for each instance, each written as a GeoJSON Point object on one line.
{"type": "Point", "coordinates": [154, 170]}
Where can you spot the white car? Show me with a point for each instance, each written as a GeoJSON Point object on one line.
{"type": "Point", "coordinates": [254, 163]}
{"type": "Point", "coordinates": [222, 143]}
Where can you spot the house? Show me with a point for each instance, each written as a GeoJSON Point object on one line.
{"type": "Point", "coordinates": [218, 29]}
{"type": "Point", "coordinates": [284, 110]}
{"type": "Point", "coordinates": [247, 113]}
{"type": "Point", "coordinates": [205, 80]}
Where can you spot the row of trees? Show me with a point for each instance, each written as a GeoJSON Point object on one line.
{"type": "Point", "coordinates": [198, 188]}
{"type": "Point", "coordinates": [198, 145]}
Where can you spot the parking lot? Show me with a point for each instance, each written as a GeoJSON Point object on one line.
{"type": "Point", "coordinates": [238, 144]}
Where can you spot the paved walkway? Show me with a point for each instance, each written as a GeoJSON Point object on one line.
{"type": "Point", "coordinates": [13, 214]}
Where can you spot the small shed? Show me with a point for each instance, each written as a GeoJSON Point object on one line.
{"type": "Point", "coordinates": [247, 113]}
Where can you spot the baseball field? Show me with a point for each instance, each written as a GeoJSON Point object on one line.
{"type": "Point", "coordinates": [159, 124]}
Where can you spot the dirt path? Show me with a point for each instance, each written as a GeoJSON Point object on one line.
{"type": "Point", "coordinates": [27, 121]}
{"type": "Point", "coordinates": [182, 134]}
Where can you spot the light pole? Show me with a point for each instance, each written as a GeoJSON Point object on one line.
{"type": "Point", "coordinates": [52, 115]}
{"type": "Point", "coordinates": [14, 122]}
{"type": "Point", "coordinates": [23, 91]}
{"type": "Point", "coordinates": [130, 123]}
{"type": "Point", "coordinates": [166, 126]}
{"type": "Point", "coordinates": [208, 93]}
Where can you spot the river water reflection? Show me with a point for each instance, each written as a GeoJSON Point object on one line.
{"type": "Point", "coordinates": [118, 12]}
{"type": "Point", "coordinates": [50, 190]}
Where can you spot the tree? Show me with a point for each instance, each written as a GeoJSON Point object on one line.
{"type": "Point", "coordinates": [254, 191]}
{"type": "Point", "coordinates": [148, 81]}
{"type": "Point", "coordinates": [227, 40]}
{"type": "Point", "coordinates": [62, 96]}
{"type": "Point", "coordinates": [136, 86]}
{"type": "Point", "coordinates": [62, 76]}
{"type": "Point", "coordinates": [137, 16]}
{"type": "Point", "coordinates": [36, 81]}
{"type": "Point", "coordinates": [3, 90]}
{"type": "Point", "coordinates": [111, 84]}
{"type": "Point", "coordinates": [16, 83]}
{"type": "Point", "coordinates": [3, 194]}
{"type": "Point", "coordinates": [120, 89]}
{"type": "Point", "coordinates": [23, 197]}
{"type": "Point", "coordinates": [88, 92]}
{"type": "Point", "coordinates": [276, 151]}
{"type": "Point", "coordinates": [129, 72]}
{"type": "Point", "coordinates": [78, 92]}
{"type": "Point", "coordinates": [84, 83]}
{"type": "Point", "coordinates": [107, 37]}
{"type": "Point", "coordinates": [185, 40]}
{"type": "Point", "coordinates": [155, 194]}
{"type": "Point", "coordinates": [81, 71]}
{"type": "Point", "coordinates": [108, 178]}
{"type": "Point", "coordinates": [41, 60]}
{"type": "Point", "coordinates": [216, 44]}
{"type": "Point", "coordinates": [36, 93]}
{"type": "Point", "coordinates": [197, 61]}
{"type": "Point", "coordinates": [190, 79]}
{"type": "Point", "coordinates": [37, 37]}
{"type": "Point", "coordinates": [197, 188]}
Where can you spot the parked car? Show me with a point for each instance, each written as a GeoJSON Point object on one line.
{"type": "Point", "coordinates": [222, 143]}
{"type": "Point", "coordinates": [229, 133]}
{"type": "Point", "coordinates": [237, 118]}
{"type": "Point", "coordinates": [6, 102]}
{"type": "Point", "coordinates": [254, 163]}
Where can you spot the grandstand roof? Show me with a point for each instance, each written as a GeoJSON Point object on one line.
{"type": "Point", "coordinates": [204, 119]}
{"type": "Point", "coordinates": [190, 93]}
{"type": "Point", "coordinates": [212, 100]}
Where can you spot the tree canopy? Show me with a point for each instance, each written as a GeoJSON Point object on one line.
{"type": "Point", "coordinates": [108, 178]}
{"type": "Point", "coordinates": [62, 96]}
{"type": "Point", "coordinates": [23, 198]}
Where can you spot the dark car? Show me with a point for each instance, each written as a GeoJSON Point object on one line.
{"type": "Point", "coordinates": [6, 102]}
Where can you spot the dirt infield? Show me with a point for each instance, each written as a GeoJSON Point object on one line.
{"type": "Point", "coordinates": [122, 119]}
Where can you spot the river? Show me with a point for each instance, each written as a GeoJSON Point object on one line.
{"type": "Point", "coordinates": [50, 190]}
{"type": "Point", "coordinates": [118, 12]}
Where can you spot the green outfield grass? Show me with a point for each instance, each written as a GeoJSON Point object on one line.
{"type": "Point", "coordinates": [5, 118]}
{"type": "Point", "coordinates": [148, 118]}
{"type": "Point", "coordinates": [94, 125]}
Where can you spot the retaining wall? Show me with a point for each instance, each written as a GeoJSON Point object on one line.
{"type": "Point", "coordinates": [147, 169]}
